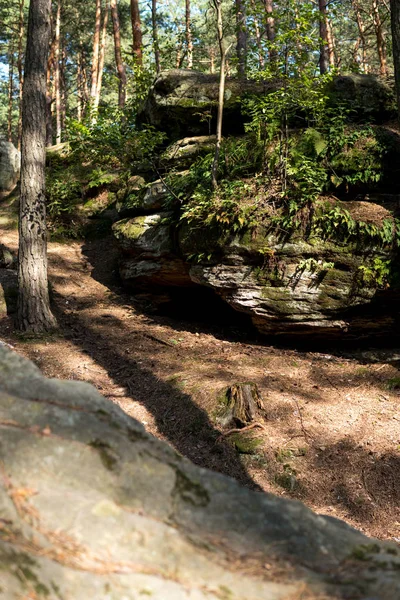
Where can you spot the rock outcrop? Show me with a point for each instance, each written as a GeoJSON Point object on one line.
{"type": "Point", "coordinates": [91, 506]}
{"type": "Point", "coordinates": [10, 164]}
{"type": "Point", "coordinates": [184, 102]}
{"type": "Point", "coordinates": [288, 287]}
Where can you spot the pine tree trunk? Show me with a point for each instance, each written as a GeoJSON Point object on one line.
{"type": "Point", "coordinates": [223, 54]}
{"type": "Point", "coordinates": [95, 54]}
{"type": "Point", "coordinates": [380, 38]}
{"type": "Point", "coordinates": [102, 53]}
{"type": "Point", "coordinates": [258, 36]}
{"type": "Point", "coordinates": [33, 312]}
{"type": "Point", "coordinates": [49, 96]}
{"type": "Point", "coordinates": [270, 28]}
{"type": "Point", "coordinates": [156, 45]}
{"type": "Point", "coordinates": [331, 44]}
{"type": "Point", "coordinates": [361, 34]}
{"type": "Point", "coordinates": [137, 33]}
{"type": "Point", "coordinates": [241, 38]}
{"type": "Point", "coordinates": [10, 89]}
{"type": "Point", "coordinates": [188, 33]}
{"type": "Point", "coordinates": [395, 19]}
{"type": "Point", "coordinates": [118, 54]}
{"type": "Point", "coordinates": [323, 36]}
{"type": "Point", "coordinates": [20, 67]}
{"type": "Point", "coordinates": [57, 77]}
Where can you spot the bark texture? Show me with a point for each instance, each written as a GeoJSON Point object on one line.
{"type": "Point", "coordinates": [137, 33]}
{"type": "Point", "coordinates": [96, 47]}
{"type": "Point", "coordinates": [34, 314]}
{"type": "Point", "coordinates": [156, 44]}
{"type": "Point", "coordinates": [188, 33]}
{"type": "Point", "coordinates": [118, 54]}
{"type": "Point", "coordinates": [241, 38]}
{"type": "Point", "coordinates": [395, 16]}
{"type": "Point", "coordinates": [323, 35]}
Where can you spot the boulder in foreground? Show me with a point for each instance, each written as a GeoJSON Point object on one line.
{"type": "Point", "coordinates": [91, 506]}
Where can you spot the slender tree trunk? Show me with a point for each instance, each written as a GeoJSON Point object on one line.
{"type": "Point", "coordinates": [270, 28]}
{"type": "Point", "coordinates": [258, 36]}
{"type": "Point", "coordinates": [188, 33]}
{"type": "Point", "coordinates": [20, 66]}
{"type": "Point", "coordinates": [64, 89]}
{"type": "Point", "coordinates": [33, 312]}
{"type": "Point", "coordinates": [361, 34]}
{"type": "Point", "coordinates": [102, 53]}
{"type": "Point", "coordinates": [380, 38]}
{"type": "Point", "coordinates": [241, 38]}
{"type": "Point", "coordinates": [95, 54]}
{"type": "Point", "coordinates": [10, 89]}
{"type": "Point", "coordinates": [57, 75]}
{"type": "Point", "coordinates": [137, 33]}
{"type": "Point", "coordinates": [49, 96]}
{"type": "Point", "coordinates": [118, 54]}
{"type": "Point", "coordinates": [156, 45]}
{"type": "Point", "coordinates": [212, 59]}
{"type": "Point", "coordinates": [323, 37]}
{"type": "Point", "coordinates": [331, 44]}
{"type": "Point", "coordinates": [223, 53]}
{"type": "Point", "coordinates": [178, 59]}
{"type": "Point", "coordinates": [395, 21]}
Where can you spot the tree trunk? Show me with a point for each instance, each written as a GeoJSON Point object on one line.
{"type": "Point", "coordinates": [258, 36]}
{"type": "Point", "coordinates": [137, 33]}
{"type": "Point", "coordinates": [20, 66]}
{"type": "Point", "coordinates": [188, 33]}
{"type": "Point", "coordinates": [331, 44]}
{"type": "Point", "coordinates": [241, 38]}
{"type": "Point", "coordinates": [270, 28]}
{"type": "Point", "coordinates": [49, 96]}
{"type": "Point", "coordinates": [33, 312]}
{"type": "Point", "coordinates": [395, 18]}
{"type": "Point", "coordinates": [380, 38]}
{"type": "Point", "coordinates": [223, 53]}
{"type": "Point", "coordinates": [10, 89]}
{"type": "Point", "coordinates": [57, 77]}
{"type": "Point", "coordinates": [118, 54]}
{"type": "Point", "coordinates": [156, 44]}
{"type": "Point", "coordinates": [323, 38]}
{"type": "Point", "coordinates": [102, 52]}
{"type": "Point", "coordinates": [361, 35]}
{"type": "Point", "coordinates": [95, 54]}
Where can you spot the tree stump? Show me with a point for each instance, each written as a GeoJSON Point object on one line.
{"type": "Point", "coordinates": [241, 405]}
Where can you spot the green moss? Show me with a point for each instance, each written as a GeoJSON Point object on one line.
{"type": "Point", "coordinates": [245, 444]}
{"type": "Point", "coordinates": [129, 228]}
{"type": "Point", "coordinates": [364, 551]}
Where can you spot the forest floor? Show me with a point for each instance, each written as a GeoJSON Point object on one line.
{"type": "Point", "coordinates": [331, 436]}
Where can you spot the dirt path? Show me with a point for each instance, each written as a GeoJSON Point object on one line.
{"type": "Point", "coordinates": [332, 434]}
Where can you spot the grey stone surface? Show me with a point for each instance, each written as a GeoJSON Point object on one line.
{"type": "Point", "coordinates": [10, 165]}
{"type": "Point", "coordinates": [91, 506]}
{"type": "Point", "coordinates": [183, 102]}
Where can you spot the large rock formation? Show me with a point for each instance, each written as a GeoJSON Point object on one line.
{"type": "Point", "coordinates": [184, 102]}
{"type": "Point", "coordinates": [10, 164]}
{"type": "Point", "coordinates": [297, 286]}
{"type": "Point", "coordinates": [93, 507]}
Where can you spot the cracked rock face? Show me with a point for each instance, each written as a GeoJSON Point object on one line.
{"type": "Point", "coordinates": [91, 506]}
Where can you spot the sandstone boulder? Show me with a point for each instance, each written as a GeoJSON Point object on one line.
{"type": "Point", "coordinates": [10, 165]}
{"type": "Point", "coordinates": [91, 506]}
{"type": "Point", "coordinates": [184, 102]}
{"type": "Point", "coordinates": [288, 287]}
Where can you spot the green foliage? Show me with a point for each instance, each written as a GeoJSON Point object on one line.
{"type": "Point", "coordinates": [63, 191]}
{"type": "Point", "coordinates": [378, 274]}
{"type": "Point", "coordinates": [112, 140]}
